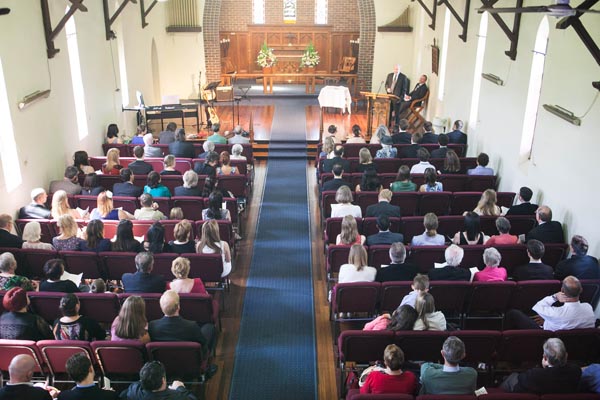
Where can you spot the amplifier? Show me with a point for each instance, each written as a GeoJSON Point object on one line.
{"type": "Point", "coordinates": [225, 93]}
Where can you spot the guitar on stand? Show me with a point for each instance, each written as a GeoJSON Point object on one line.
{"type": "Point", "coordinates": [208, 95]}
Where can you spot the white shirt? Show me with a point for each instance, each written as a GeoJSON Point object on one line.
{"type": "Point", "coordinates": [341, 210]}
{"type": "Point", "coordinates": [574, 315]}
{"type": "Point", "coordinates": [348, 274]}
{"type": "Point", "coordinates": [436, 321]}
{"type": "Point", "coordinates": [421, 167]}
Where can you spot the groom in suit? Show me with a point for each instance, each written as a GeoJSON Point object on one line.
{"type": "Point", "coordinates": [418, 92]}
{"type": "Point", "coordinates": [396, 83]}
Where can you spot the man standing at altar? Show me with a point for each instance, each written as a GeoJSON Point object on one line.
{"type": "Point", "coordinates": [396, 84]}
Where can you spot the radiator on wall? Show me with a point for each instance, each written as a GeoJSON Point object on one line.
{"type": "Point", "coordinates": [183, 16]}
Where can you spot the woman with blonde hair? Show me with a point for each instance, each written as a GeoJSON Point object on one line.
{"type": "Point", "coordinates": [487, 204]}
{"type": "Point", "coordinates": [226, 168]}
{"type": "Point", "coordinates": [349, 234]}
{"type": "Point", "coordinates": [169, 166]}
{"type": "Point", "coordinates": [365, 160]}
{"type": "Point", "coordinates": [211, 243]}
{"type": "Point", "coordinates": [67, 240]}
{"type": "Point", "coordinates": [105, 210]}
{"type": "Point", "coordinates": [344, 205]}
{"type": "Point", "coordinates": [180, 268]}
{"type": "Point", "coordinates": [451, 163]}
{"type": "Point", "coordinates": [60, 206]}
{"type": "Point", "coordinates": [131, 322]}
{"type": "Point", "coordinates": [31, 236]}
{"type": "Point", "coordinates": [430, 237]}
{"type": "Point", "coordinates": [428, 319]}
{"type": "Point", "coordinates": [112, 165]}
{"type": "Point", "coordinates": [183, 242]}
{"type": "Point", "coordinates": [357, 269]}
{"type": "Point", "coordinates": [328, 146]}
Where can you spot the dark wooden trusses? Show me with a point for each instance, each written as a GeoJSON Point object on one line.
{"type": "Point", "coordinates": [431, 12]}
{"type": "Point", "coordinates": [145, 11]}
{"type": "Point", "coordinates": [109, 20]}
{"type": "Point", "coordinates": [50, 33]}
{"type": "Point", "coordinates": [511, 34]}
{"type": "Point", "coordinates": [464, 21]}
{"type": "Point", "coordinates": [583, 34]}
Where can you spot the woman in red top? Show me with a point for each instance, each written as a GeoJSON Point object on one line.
{"type": "Point", "coordinates": [182, 284]}
{"type": "Point", "coordinates": [492, 272]}
{"type": "Point", "coordinates": [391, 379]}
{"type": "Point", "coordinates": [112, 165]}
{"type": "Point", "coordinates": [349, 234]}
{"type": "Point", "coordinates": [503, 226]}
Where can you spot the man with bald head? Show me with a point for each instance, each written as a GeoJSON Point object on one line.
{"type": "Point", "coordinates": [396, 84]}
{"type": "Point", "coordinates": [561, 311]}
{"type": "Point", "coordinates": [547, 231]}
{"type": "Point", "coordinates": [19, 386]}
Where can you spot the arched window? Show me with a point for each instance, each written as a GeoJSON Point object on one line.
{"type": "Point", "coordinates": [76, 79]}
{"type": "Point", "coordinates": [320, 12]}
{"type": "Point", "coordinates": [8, 147]}
{"type": "Point", "coordinates": [445, 39]}
{"type": "Point", "coordinates": [122, 67]}
{"type": "Point", "coordinates": [483, 25]}
{"type": "Point", "coordinates": [258, 11]}
{"type": "Point", "coordinates": [535, 87]}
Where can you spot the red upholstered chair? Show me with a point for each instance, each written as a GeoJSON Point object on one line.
{"type": "Point", "coordinates": [118, 263]}
{"type": "Point", "coordinates": [191, 206]}
{"type": "Point", "coordinates": [101, 307]}
{"type": "Point", "coordinates": [140, 228]}
{"type": "Point", "coordinates": [571, 396]}
{"type": "Point", "coordinates": [425, 256]}
{"type": "Point", "coordinates": [508, 396]}
{"type": "Point", "coordinates": [488, 300]}
{"type": "Point", "coordinates": [125, 150]}
{"type": "Point", "coordinates": [57, 352]}
{"type": "Point", "coordinates": [225, 231]}
{"type": "Point", "coordinates": [454, 182]}
{"type": "Point", "coordinates": [505, 199]}
{"type": "Point", "coordinates": [591, 292]}
{"type": "Point", "coordinates": [447, 397]}
{"type": "Point", "coordinates": [85, 262]}
{"type": "Point", "coordinates": [354, 394]}
{"type": "Point", "coordinates": [83, 202]}
{"type": "Point", "coordinates": [379, 255]}
{"type": "Point", "coordinates": [555, 252]}
{"type": "Point", "coordinates": [365, 199]}
{"type": "Point", "coordinates": [473, 256]}
{"type": "Point", "coordinates": [325, 177]}
{"type": "Point", "coordinates": [479, 183]}
{"type": "Point", "coordinates": [333, 227]}
{"type": "Point", "coordinates": [164, 203]}
{"type": "Point", "coordinates": [201, 308]}
{"type": "Point", "coordinates": [110, 229]}
{"type": "Point", "coordinates": [459, 149]}
{"type": "Point", "coordinates": [357, 298]}
{"type": "Point", "coordinates": [46, 304]}
{"type": "Point", "coordinates": [527, 293]}
{"type": "Point", "coordinates": [387, 179]}
{"type": "Point", "coordinates": [183, 361]}
{"type": "Point", "coordinates": [352, 149]}
{"type": "Point", "coordinates": [369, 225]}
{"type": "Point", "coordinates": [391, 294]}
{"type": "Point", "coordinates": [522, 348]}
{"type": "Point", "coordinates": [450, 297]}
{"type": "Point", "coordinates": [108, 181]}
{"type": "Point", "coordinates": [481, 345]}
{"type": "Point", "coordinates": [163, 263]}
{"type": "Point", "coordinates": [421, 345]}
{"type": "Point", "coordinates": [152, 300]}
{"type": "Point", "coordinates": [208, 267]}
{"type": "Point", "coordinates": [521, 224]}
{"type": "Point", "coordinates": [45, 224]}
{"type": "Point", "coordinates": [9, 349]}
{"type": "Point", "coordinates": [583, 345]}
{"type": "Point", "coordinates": [411, 227]}
{"type": "Point", "coordinates": [435, 202]}
{"type": "Point", "coordinates": [241, 165]}
{"type": "Point", "coordinates": [236, 184]}
{"type": "Point", "coordinates": [337, 255]}
{"type": "Point", "coordinates": [327, 199]}
{"type": "Point", "coordinates": [35, 259]}
{"type": "Point", "coordinates": [388, 165]}
{"type": "Point", "coordinates": [407, 201]}
{"type": "Point", "coordinates": [513, 256]}
{"type": "Point", "coordinates": [128, 204]}
{"type": "Point", "coordinates": [171, 181]}
{"type": "Point", "coordinates": [120, 361]}
{"type": "Point", "coordinates": [463, 201]}
{"type": "Point", "coordinates": [448, 225]}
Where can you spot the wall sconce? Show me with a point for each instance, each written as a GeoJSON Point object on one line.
{"type": "Point", "coordinates": [32, 98]}
{"type": "Point", "coordinates": [225, 46]}
{"type": "Point", "coordinates": [493, 78]}
{"type": "Point", "coordinates": [563, 113]}
{"type": "Point", "coordinates": [354, 45]}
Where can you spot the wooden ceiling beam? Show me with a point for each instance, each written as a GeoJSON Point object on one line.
{"type": "Point", "coordinates": [109, 20]}
{"type": "Point", "coordinates": [49, 33]}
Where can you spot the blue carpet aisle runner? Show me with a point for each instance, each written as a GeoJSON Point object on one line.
{"type": "Point", "coordinates": [275, 356]}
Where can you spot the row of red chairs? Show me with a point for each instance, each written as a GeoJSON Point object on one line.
{"type": "Point", "coordinates": [140, 228]}
{"type": "Point", "coordinates": [181, 164]}
{"type": "Point", "coordinates": [391, 165]}
{"type": "Point", "coordinates": [413, 226]}
{"type": "Point", "coordinates": [126, 150]}
{"type": "Point", "coordinates": [112, 265]}
{"type": "Point", "coordinates": [517, 348]}
{"type": "Point", "coordinates": [119, 361]}
{"type": "Point", "coordinates": [355, 394]}
{"type": "Point", "coordinates": [352, 149]}
{"type": "Point", "coordinates": [461, 301]}
{"type": "Point", "coordinates": [417, 203]}
{"type": "Point", "coordinates": [424, 257]}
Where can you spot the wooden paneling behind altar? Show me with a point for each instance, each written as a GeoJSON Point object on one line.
{"type": "Point", "coordinates": [288, 43]}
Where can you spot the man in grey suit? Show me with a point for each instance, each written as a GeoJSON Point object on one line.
{"type": "Point", "coordinates": [149, 150]}
{"type": "Point", "coordinates": [69, 183]}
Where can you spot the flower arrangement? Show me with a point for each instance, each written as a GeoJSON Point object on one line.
{"type": "Point", "coordinates": [310, 58]}
{"type": "Point", "coordinates": [266, 57]}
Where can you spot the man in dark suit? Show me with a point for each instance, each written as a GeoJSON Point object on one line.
{"type": "Point", "coordinates": [209, 166]}
{"type": "Point", "coordinates": [525, 208]}
{"type": "Point", "coordinates": [396, 83]}
{"type": "Point", "coordinates": [143, 281]}
{"type": "Point", "coordinates": [411, 151]}
{"type": "Point", "coordinates": [207, 147]}
{"type": "Point", "coordinates": [384, 236]}
{"type": "Point", "coordinates": [555, 375]}
{"type": "Point", "coordinates": [580, 265]}
{"type": "Point", "coordinates": [429, 136]}
{"type": "Point", "coordinates": [398, 270]}
{"type": "Point", "coordinates": [383, 207]}
{"type": "Point", "coordinates": [7, 239]}
{"type": "Point", "coordinates": [452, 271]}
{"type": "Point", "coordinates": [536, 269]}
{"type": "Point", "coordinates": [173, 328]}
{"type": "Point", "coordinates": [547, 231]}
{"type": "Point", "coordinates": [181, 148]}
{"type": "Point", "coordinates": [402, 137]}
{"type": "Point", "coordinates": [127, 188]}
{"type": "Point", "coordinates": [338, 158]}
{"type": "Point", "coordinates": [80, 369]}
{"type": "Point", "coordinates": [337, 181]}
{"type": "Point", "coordinates": [457, 136]}
{"type": "Point", "coordinates": [443, 149]}
{"type": "Point", "coordinates": [21, 370]}
{"type": "Point", "coordinates": [418, 92]}
{"type": "Point", "coordinates": [69, 183]}
{"type": "Point", "coordinates": [139, 166]}
{"type": "Point", "coordinates": [37, 208]}
{"type": "Point", "coordinates": [168, 136]}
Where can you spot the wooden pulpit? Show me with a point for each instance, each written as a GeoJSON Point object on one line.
{"type": "Point", "coordinates": [378, 109]}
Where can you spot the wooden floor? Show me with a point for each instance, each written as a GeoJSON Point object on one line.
{"type": "Point", "coordinates": [218, 386]}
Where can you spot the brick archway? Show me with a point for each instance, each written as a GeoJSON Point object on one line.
{"type": "Point", "coordinates": [210, 28]}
